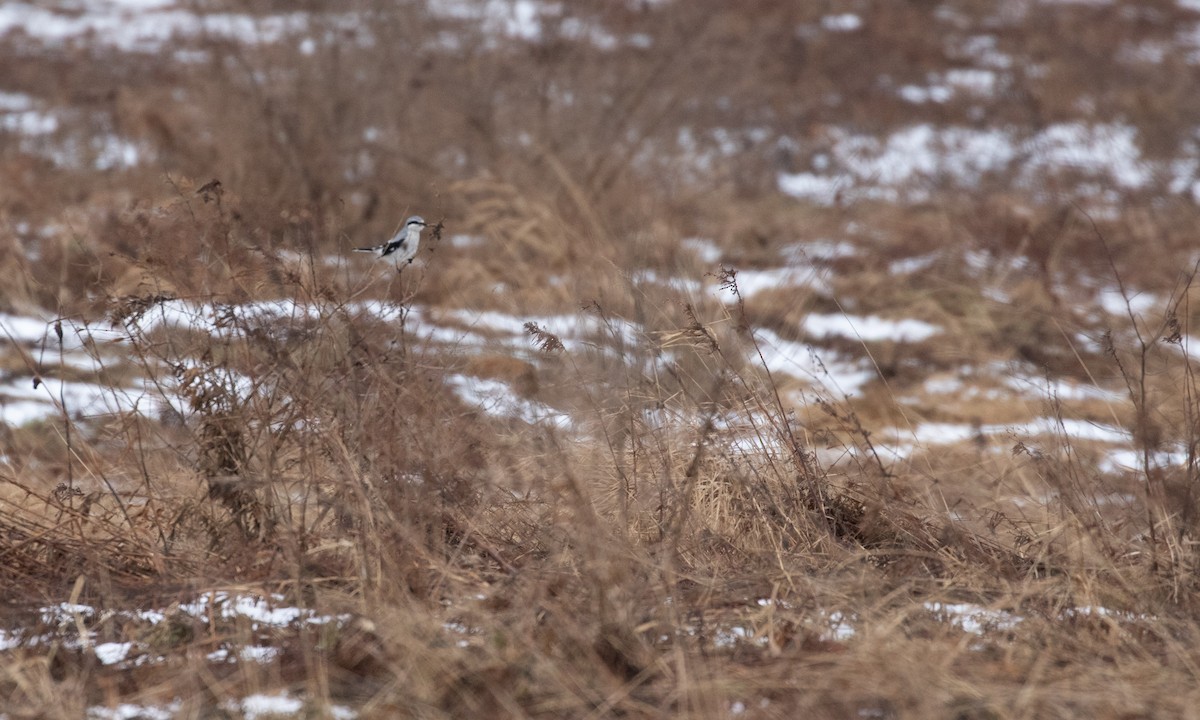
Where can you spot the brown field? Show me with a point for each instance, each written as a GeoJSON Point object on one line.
{"type": "Point", "coordinates": [598, 452]}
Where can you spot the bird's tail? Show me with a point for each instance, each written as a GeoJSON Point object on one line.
{"type": "Point", "coordinates": [370, 250]}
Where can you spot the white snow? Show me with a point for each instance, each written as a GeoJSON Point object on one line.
{"type": "Point", "coordinates": [467, 242]}
{"type": "Point", "coordinates": [129, 711]}
{"type": "Point", "coordinates": [1107, 150]}
{"type": "Point", "coordinates": [1129, 459]}
{"type": "Point", "coordinates": [705, 250]}
{"type": "Point", "coordinates": [751, 282]}
{"type": "Point", "coordinates": [900, 164]}
{"type": "Point", "coordinates": [935, 433]}
{"type": "Point", "coordinates": [1040, 387]}
{"type": "Point", "coordinates": [24, 329]}
{"type": "Point", "coordinates": [822, 189]}
{"type": "Point", "coordinates": [687, 286]}
{"type": "Point", "coordinates": [113, 652]}
{"type": "Point", "coordinates": [920, 94]}
{"type": "Point", "coordinates": [974, 80]}
{"type": "Point", "coordinates": [255, 706]}
{"type": "Point", "coordinates": [910, 265]}
{"type": "Point", "coordinates": [1113, 301]}
{"type": "Point", "coordinates": [520, 19]}
{"type": "Point", "coordinates": [983, 50]}
{"type": "Point", "coordinates": [20, 403]}
{"type": "Point", "coordinates": [498, 399]}
{"type": "Point", "coordinates": [801, 361]}
{"type": "Point", "coordinates": [577, 331]}
{"type": "Point", "coordinates": [261, 610]}
{"type": "Point", "coordinates": [28, 122]}
{"type": "Point", "coordinates": [868, 328]}
{"type": "Point", "coordinates": [972, 618]}
{"type": "Point", "coordinates": [15, 102]}
{"type": "Point", "coordinates": [142, 26]}
{"type": "Point", "coordinates": [941, 88]}
{"type": "Point", "coordinates": [840, 627]}
{"type": "Point", "coordinates": [825, 250]}
{"type": "Point", "coordinates": [9, 639]}
{"type": "Point", "coordinates": [846, 22]}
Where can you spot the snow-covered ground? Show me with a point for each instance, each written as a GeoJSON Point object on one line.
{"type": "Point", "coordinates": [833, 375]}
{"type": "Point", "coordinates": [260, 621]}
{"type": "Point", "coordinates": [74, 626]}
{"type": "Point", "coordinates": [144, 26]}
{"type": "Point", "coordinates": [908, 164]}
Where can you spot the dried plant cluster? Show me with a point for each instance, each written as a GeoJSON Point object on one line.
{"type": "Point", "coordinates": [666, 525]}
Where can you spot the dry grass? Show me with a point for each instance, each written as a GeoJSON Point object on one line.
{"type": "Point", "coordinates": [690, 543]}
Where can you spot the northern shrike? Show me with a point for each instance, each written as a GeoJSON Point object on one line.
{"type": "Point", "coordinates": [404, 242]}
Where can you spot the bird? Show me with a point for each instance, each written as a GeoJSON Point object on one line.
{"type": "Point", "coordinates": [403, 242]}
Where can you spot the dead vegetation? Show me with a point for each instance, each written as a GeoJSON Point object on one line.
{"type": "Point", "coordinates": [706, 535]}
